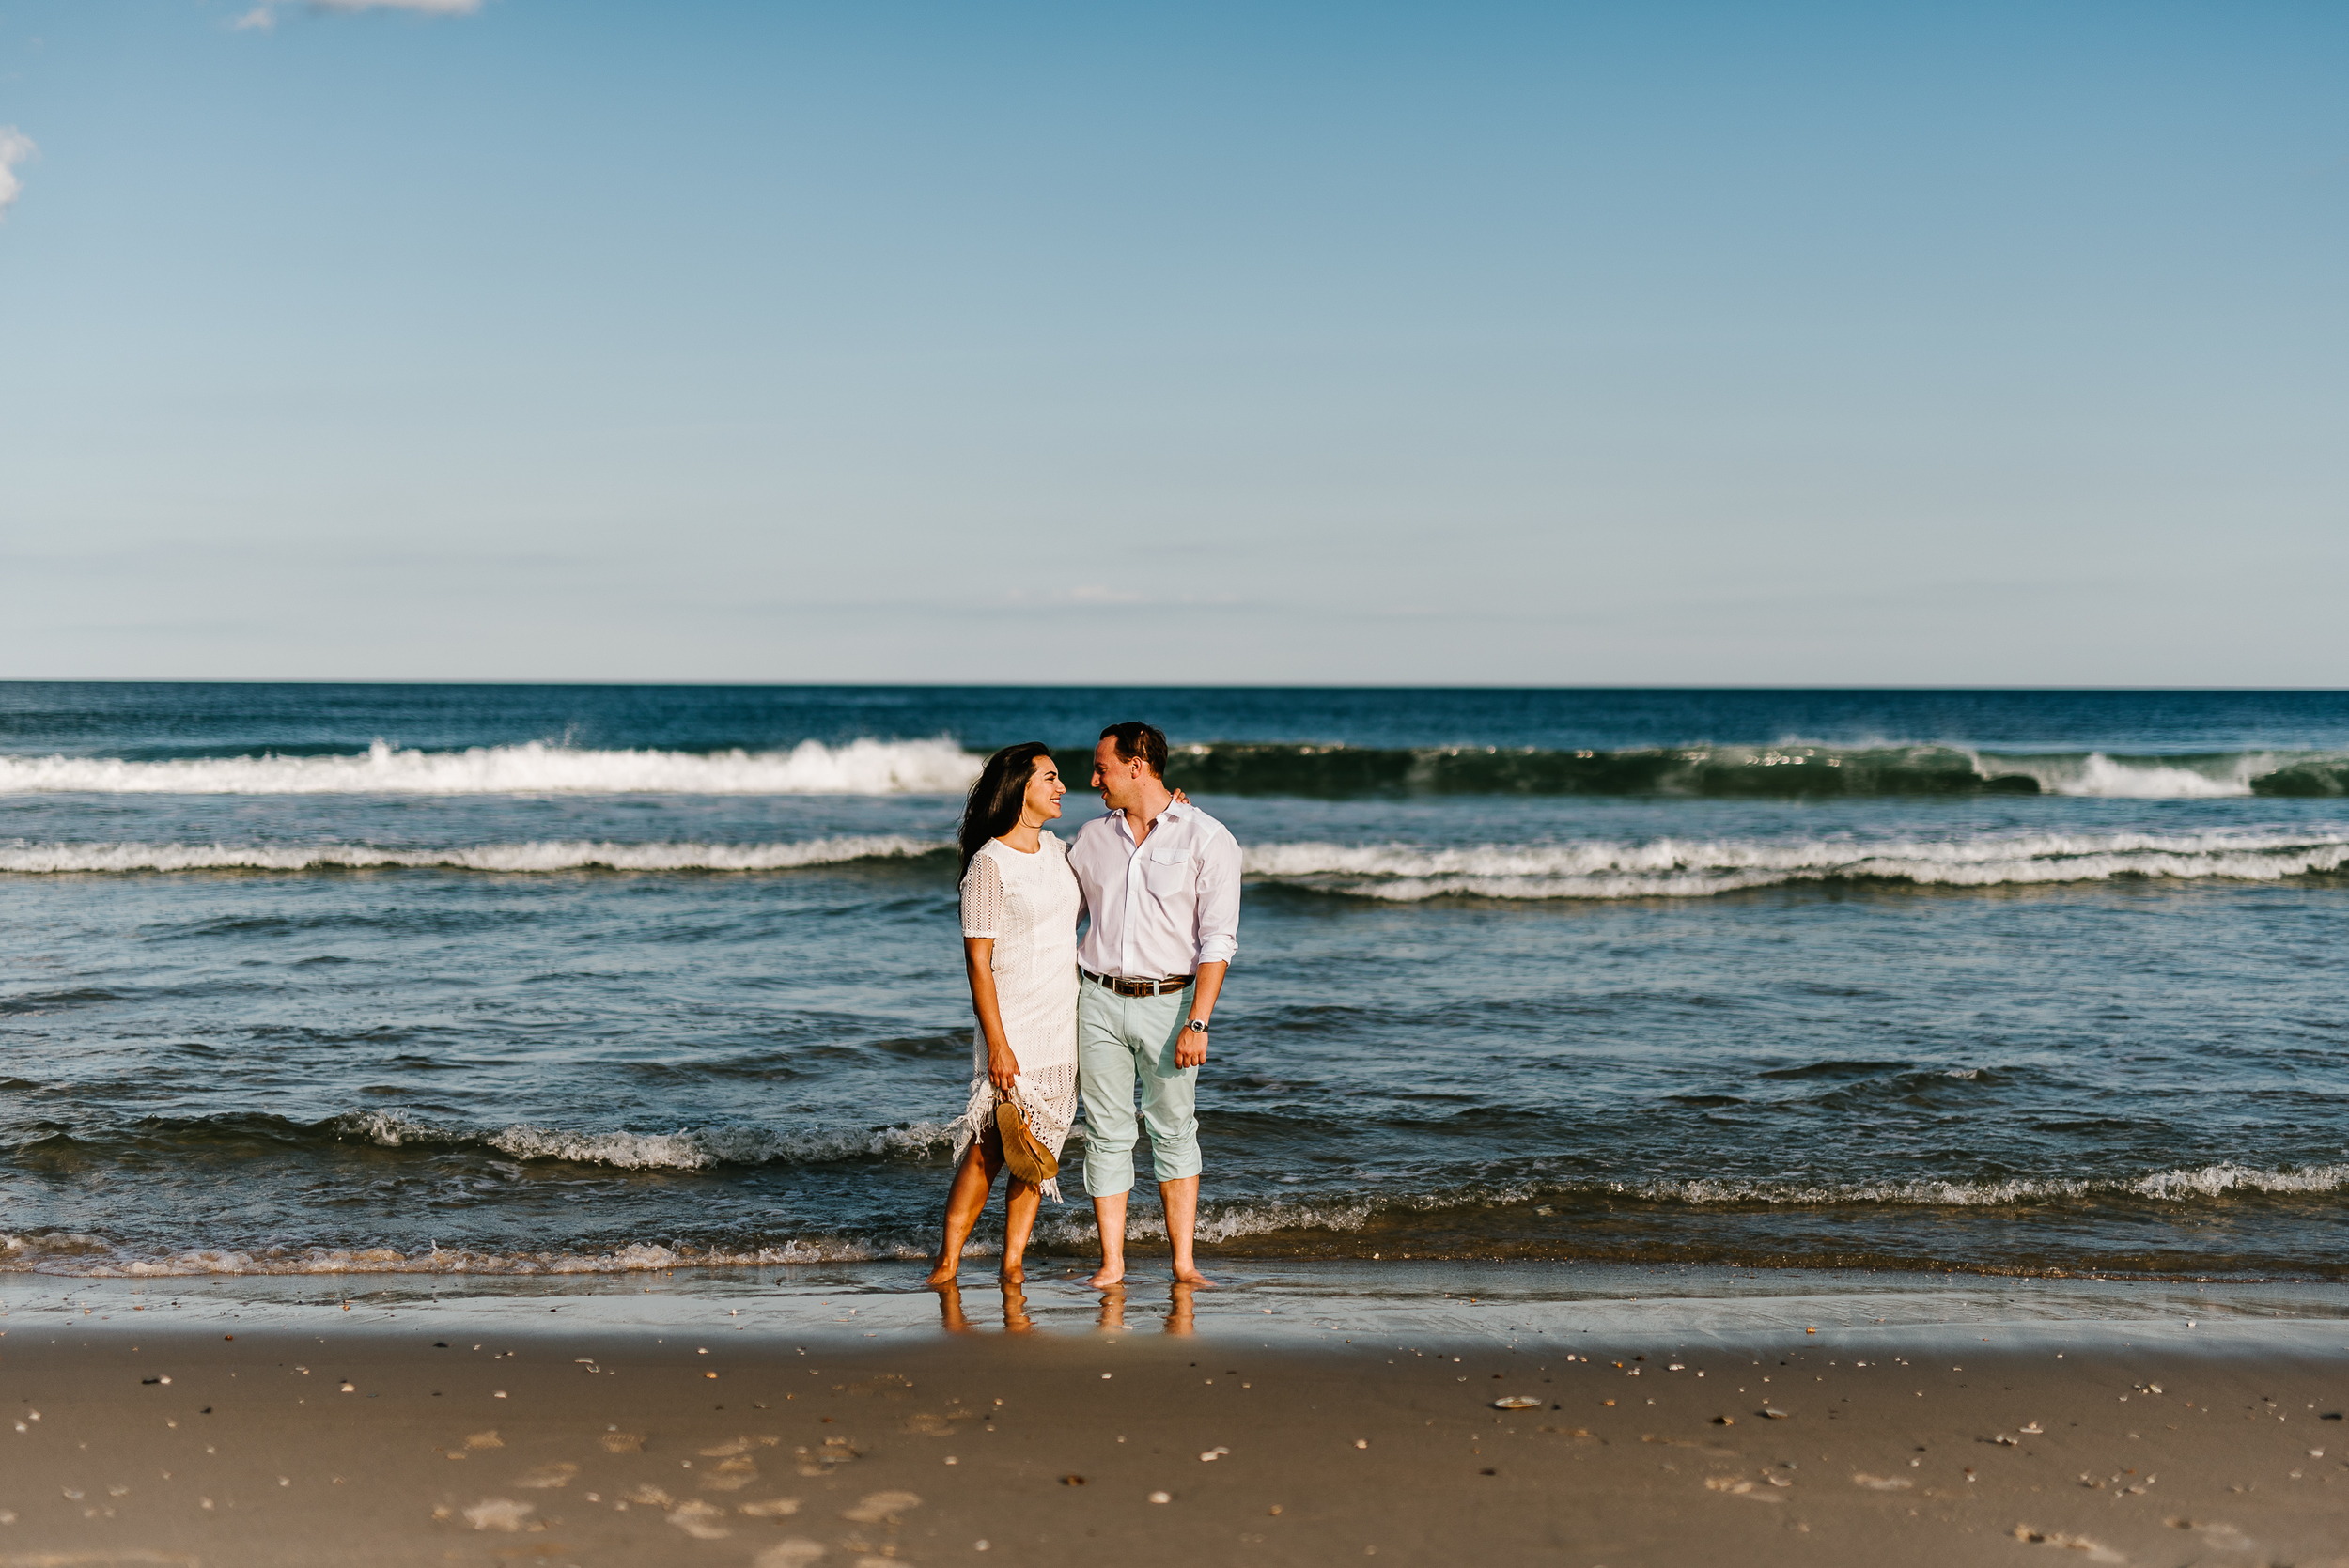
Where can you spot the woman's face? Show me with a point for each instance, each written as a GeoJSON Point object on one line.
{"type": "Point", "coordinates": [1045, 790]}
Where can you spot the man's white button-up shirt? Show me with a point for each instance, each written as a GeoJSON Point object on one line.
{"type": "Point", "coordinates": [1164, 907]}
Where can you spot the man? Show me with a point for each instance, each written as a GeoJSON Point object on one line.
{"type": "Point", "coordinates": [1161, 888]}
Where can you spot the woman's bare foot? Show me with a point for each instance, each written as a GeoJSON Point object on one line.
{"type": "Point", "coordinates": [944, 1274]}
{"type": "Point", "coordinates": [1187, 1275]}
{"type": "Point", "coordinates": [1013, 1272]}
{"type": "Point", "coordinates": [1107, 1275]}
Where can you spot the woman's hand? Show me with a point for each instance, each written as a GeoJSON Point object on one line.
{"type": "Point", "coordinates": [1002, 1067]}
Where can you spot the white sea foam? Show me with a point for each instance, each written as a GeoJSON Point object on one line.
{"type": "Point", "coordinates": [2173, 779]}
{"type": "Point", "coordinates": [1690, 868]}
{"type": "Point", "coordinates": [554, 855]}
{"type": "Point", "coordinates": [690, 1149]}
{"type": "Point", "coordinates": [1601, 868]}
{"type": "Point", "coordinates": [92, 1257]}
{"type": "Point", "coordinates": [2178, 1186]}
{"type": "Point", "coordinates": [859, 768]}
{"type": "Point", "coordinates": [1222, 1222]}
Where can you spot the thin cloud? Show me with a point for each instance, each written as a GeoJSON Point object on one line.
{"type": "Point", "coordinates": [263, 17]}
{"type": "Point", "coordinates": [15, 147]}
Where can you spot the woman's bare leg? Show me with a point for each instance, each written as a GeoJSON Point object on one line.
{"type": "Point", "coordinates": [1020, 1202]}
{"type": "Point", "coordinates": [965, 1200]}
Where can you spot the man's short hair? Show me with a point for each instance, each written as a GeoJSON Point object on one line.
{"type": "Point", "coordinates": [1139, 740]}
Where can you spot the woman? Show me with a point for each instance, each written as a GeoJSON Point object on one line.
{"type": "Point", "coordinates": [1019, 910]}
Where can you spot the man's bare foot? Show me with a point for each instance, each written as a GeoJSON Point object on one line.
{"type": "Point", "coordinates": [944, 1274]}
{"type": "Point", "coordinates": [1107, 1275]}
{"type": "Point", "coordinates": [1187, 1275]}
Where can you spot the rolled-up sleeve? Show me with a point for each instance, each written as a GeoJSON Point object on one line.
{"type": "Point", "coordinates": [1219, 898]}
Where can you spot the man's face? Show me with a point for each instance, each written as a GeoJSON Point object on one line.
{"type": "Point", "coordinates": [1118, 780]}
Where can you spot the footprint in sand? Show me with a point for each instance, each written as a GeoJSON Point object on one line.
{"type": "Point", "coordinates": [795, 1553]}
{"type": "Point", "coordinates": [770, 1508]}
{"type": "Point", "coordinates": [882, 1508]}
{"type": "Point", "coordinates": [498, 1513]}
{"type": "Point", "coordinates": [699, 1520]}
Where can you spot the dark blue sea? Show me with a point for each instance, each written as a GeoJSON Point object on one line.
{"type": "Point", "coordinates": [514, 978]}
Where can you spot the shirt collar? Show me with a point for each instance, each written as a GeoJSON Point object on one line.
{"type": "Point", "coordinates": [1176, 812]}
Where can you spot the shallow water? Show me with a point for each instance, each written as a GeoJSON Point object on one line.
{"type": "Point", "coordinates": [553, 979]}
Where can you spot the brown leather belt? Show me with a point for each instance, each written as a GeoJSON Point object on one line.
{"type": "Point", "coordinates": [1137, 987]}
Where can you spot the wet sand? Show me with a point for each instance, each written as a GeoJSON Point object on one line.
{"type": "Point", "coordinates": [533, 1435]}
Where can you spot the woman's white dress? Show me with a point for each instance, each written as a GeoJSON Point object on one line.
{"type": "Point", "coordinates": [1029, 904]}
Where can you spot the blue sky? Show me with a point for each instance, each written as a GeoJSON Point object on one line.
{"type": "Point", "coordinates": [1480, 343]}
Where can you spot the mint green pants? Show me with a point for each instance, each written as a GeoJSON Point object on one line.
{"type": "Point", "coordinates": [1122, 1042]}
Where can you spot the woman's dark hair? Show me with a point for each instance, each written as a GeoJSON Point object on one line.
{"type": "Point", "coordinates": [993, 807]}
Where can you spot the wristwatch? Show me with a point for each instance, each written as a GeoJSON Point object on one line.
{"type": "Point", "coordinates": [1196, 1027]}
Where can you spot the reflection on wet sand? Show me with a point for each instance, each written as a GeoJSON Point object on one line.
{"type": "Point", "coordinates": [1016, 1318]}
{"type": "Point", "coordinates": [950, 1307]}
{"type": "Point", "coordinates": [1180, 1317]}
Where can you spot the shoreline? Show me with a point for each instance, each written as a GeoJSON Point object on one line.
{"type": "Point", "coordinates": [588, 1427]}
{"type": "Point", "coordinates": [1539, 1293]}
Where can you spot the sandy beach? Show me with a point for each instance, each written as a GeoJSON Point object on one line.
{"type": "Point", "coordinates": [1615, 717]}
{"type": "Point", "coordinates": [542, 1430]}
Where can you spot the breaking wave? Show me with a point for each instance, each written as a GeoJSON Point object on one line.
{"type": "Point", "coordinates": [1602, 869]}
{"type": "Point", "coordinates": [2221, 1180]}
{"type": "Point", "coordinates": [94, 1257]}
{"type": "Point", "coordinates": [558, 855]}
{"type": "Point", "coordinates": [1469, 1221]}
{"type": "Point", "coordinates": [1353, 1212]}
{"type": "Point", "coordinates": [1787, 771]}
{"type": "Point", "coordinates": [859, 767]}
{"type": "Point", "coordinates": [685, 1149]}
{"type": "Point", "coordinates": [941, 767]}
{"type": "Point", "coordinates": [697, 1149]}
{"type": "Point", "coordinates": [1684, 868]}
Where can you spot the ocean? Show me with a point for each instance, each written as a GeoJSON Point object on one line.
{"type": "Point", "coordinates": [549, 980]}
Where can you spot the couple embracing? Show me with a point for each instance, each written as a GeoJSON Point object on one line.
{"type": "Point", "coordinates": [1157, 879]}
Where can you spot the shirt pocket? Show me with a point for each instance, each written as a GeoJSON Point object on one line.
{"type": "Point", "coordinates": [1166, 872]}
